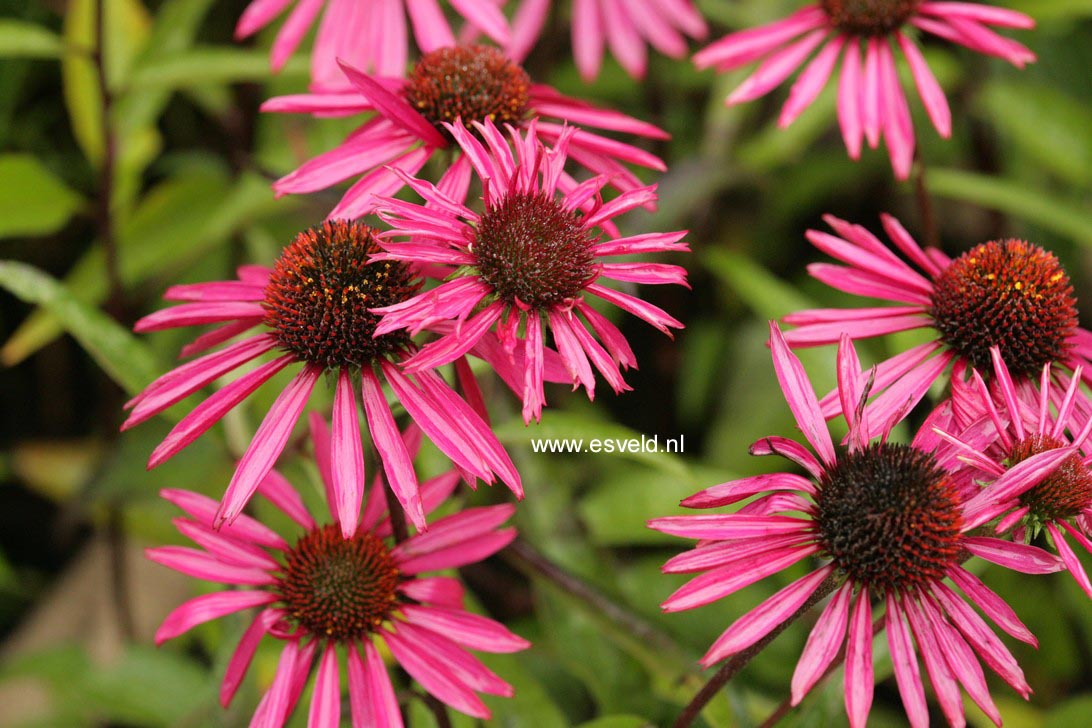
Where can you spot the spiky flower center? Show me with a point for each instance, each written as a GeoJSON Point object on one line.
{"type": "Point", "coordinates": [533, 250]}
{"type": "Point", "coordinates": [318, 296]}
{"type": "Point", "coordinates": [472, 83]}
{"type": "Point", "coordinates": [1064, 493]}
{"type": "Point", "coordinates": [337, 588]}
{"type": "Point", "coordinates": [889, 518]}
{"type": "Point", "coordinates": [869, 17]}
{"type": "Point", "coordinates": [1010, 294]}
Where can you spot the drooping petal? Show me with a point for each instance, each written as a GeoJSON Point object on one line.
{"type": "Point", "coordinates": [859, 676]}
{"type": "Point", "coordinates": [760, 621]}
{"type": "Point", "coordinates": [396, 460]}
{"type": "Point", "coordinates": [464, 628]}
{"type": "Point", "coordinates": [347, 454]}
{"type": "Point", "coordinates": [208, 607]}
{"type": "Point", "coordinates": [326, 703]}
{"type": "Point", "coordinates": [268, 443]}
{"type": "Point", "coordinates": [435, 677]}
{"type": "Point", "coordinates": [244, 654]}
{"type": "Point", "coordinates": [824, 640]}
{"type": "Point", "coordinates": [371, 694]}
{"type": "Point", "coordinates": [905, 661]}
{"type": "Point", "coordinates": [213, 409]}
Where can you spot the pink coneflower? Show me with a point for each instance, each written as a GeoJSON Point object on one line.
{"type": "Point", "coordinates": [1005, 293]}
{"type": "Point", "coordinates": [890, 527]}
{"type": "Point", "coordinates": [368, 34]}
{"type": "Point", "coordinates": [467, 83]}
{"type": "Point", "coordinates": [627, 27]}
{"type": "Point", "coordinates": [331, 599]}
{"type": "Point", "coordinates": [1023, 426]}
{"type": "Point", "coordinates": [525, 263]}
{"type": "Point", "coordinates": [313, 306]}
{"type": "Point", "coordinates": [871, 102]}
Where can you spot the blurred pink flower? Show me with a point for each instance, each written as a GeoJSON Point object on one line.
{"type": "Point", "coordinates": [524, 263]}
{"type": "Point", "coordinates": [627, 27]}
{"type": "Point", "coordinates": [331, 599]}
{"type": "Point", "coordinates": [312, 306]}
{"type": "Point", "coordinates": [871, 102]}
{"type": "Point", "coordinates": [368, 34]}
{"type": "Point", "coordinates": [1016, 428]}
{"type": "Point", "coordinates": [1007, 293]}
{"type": "Point", "coordinates": [408, 128]}
{"type": "Point", "coordinates": [889, 525]}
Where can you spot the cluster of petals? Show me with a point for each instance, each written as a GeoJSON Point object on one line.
{"type": "Point", "coordinates": [626, 27]}
{"type": "Point", "coordinates": [397, 138]}
{"type": "Point", "coordinates": [442, 231]}
{"type": "Point", "coordinates": [756, 540]}
{"type": "Point", "coordinates": [236, 307]}
{"type": "Point", "coordinates": [427, 634]}
{"type": "Point", "coordinates": [873, 270]}
{"type": "Point", "coordinates": [368, 34]}
{"type": "Point", "coordinates": [872, 105]}
{"type": "Point", "coordinates": [1011, 413]}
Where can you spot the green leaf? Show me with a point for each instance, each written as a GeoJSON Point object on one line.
{"type": "Point", "coordinates": [766, 294]}
{"type": "Point", "coordinates": [176, 223]}
{"type": "Point", "coordinates": [127, 23]}
{"type": "Point", "coordinates": [32, 200]}
{"type": "Point", "coordinates": [1013, 199]}
{"type": "Point", "coordinates": [1045, 123]}
{"type": "Point", "coordinates": [200, 66]}
{"type": "Point", "coordinates": [617, 721]}
{"type": "Point", "coordinates": [1050, 9]}
{"type": "Point", "coordinates": [20, 39]}
{"type": "Point", "coordinates": [120, 355]}
{"type": "Point", "coordinates": [150, 687]}
{"type": "Point", "coordinates": [620, 503]}
{"type": "Point", "coordinates": [1071, 714]}
{"type": "Point", "coordinates": [144, 686]}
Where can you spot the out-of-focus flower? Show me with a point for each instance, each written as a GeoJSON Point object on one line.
{"type": "Point", "coordinates": [1017, 425]}
{"type": "Point", "coordinates": [890, 527]}
{"type": "Point", "coordinates": [1005, 293]}
{"type": "Point", "coordinates": [525, 263]}
{"type": "Point", "coordinates": [626, 27]}
{"type": "Point", "coordinates": [332, 601]}
{"type": "Point", "coordinates": [865, 34]}
{"type": "Point", "coordinates": [313, 306]}
{"type": "Point", "coordinates": [467, 83]}
{"type": "Point", "coordinates": [367, 34]}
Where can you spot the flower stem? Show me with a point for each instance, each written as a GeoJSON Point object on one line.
{"type": "Point", "coordinates": [398, 516]}
{"type": "Point", "coordinates": [738, 661]}
{"type": "Point", "coordinates": [786, 705]}
{"type": "Point", "coordinates": [529, 559]}
{"type": "Point", "coordinates": [109, 160]}
{"type": "Point", "coordinates": [925, 204]}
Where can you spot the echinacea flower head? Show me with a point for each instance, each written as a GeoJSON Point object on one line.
{"type": "Point", "coordinates": [1011, 294]}
{"type": "Point", "coordinates": [891, 530]}
{"type": "Point", "coordinates": [464, 84]}
{"type": "Point", "coordinates": [626, 27]}
{"type": "Point", "coordinates": [313, 307]}
{"type": "Point", "coordinates": [368, 34]}
{"type": "Point", "coordinates": [1025, 425]}
{"type": "Point", "coordinates": [334, 601]}
{"type": "Point", "coordinates": [525, 264]}
{"type": "Point", "coordinates": [866, 35]}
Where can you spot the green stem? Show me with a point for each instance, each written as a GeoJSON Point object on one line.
{"type": "Point", "coordinates": [738, 661]}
